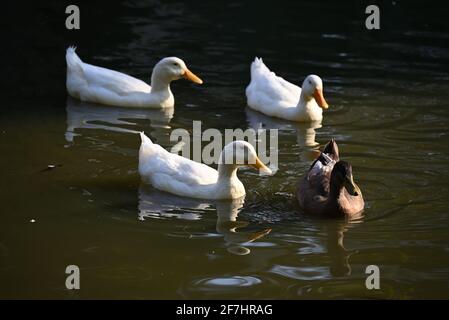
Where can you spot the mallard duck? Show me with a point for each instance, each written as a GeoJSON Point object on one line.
{"type": "Point", "coordinates": [96, 84]}
{"type": "Point", "coordinates": [329, 189]}
{"type": "Point", "coordinates": [181, 176]}
{"type": "Point", "coordinates": [276, 97]}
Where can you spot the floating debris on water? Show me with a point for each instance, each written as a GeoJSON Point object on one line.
{"type": "Point", "coordinates": [51, 167]}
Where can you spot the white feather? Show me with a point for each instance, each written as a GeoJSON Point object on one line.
{"type": "Point", "coordinates": [100, 85]}
{"type": "Point", "coordinates": [274, 96]}
{"type": "Point", "coordinates": [178, 175]}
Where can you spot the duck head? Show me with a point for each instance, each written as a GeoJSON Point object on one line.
{"type": "Point", "coordinates": [172, 68]}
{"type": "Point", "coordinates": [312, 87]}
{"type": "Point", "coordinates": [241, 153]}
{"type": "Point", "coordinates": [342, 178]}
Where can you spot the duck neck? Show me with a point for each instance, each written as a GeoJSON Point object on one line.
{"type": "Point", "coordinates": [227, 173]}
{"type": "Point", "coordinates": [304, 101]}
{"type": "Point", "coordinates": [160, 83]}
{"type": "Point", "coordinates": [336, 186]}
{"type": "Point", "coordinates": [228, 185]}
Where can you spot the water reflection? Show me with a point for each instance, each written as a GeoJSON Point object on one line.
{"type": "Point", "coordinates": [227, 225]}
{"type": "Point", "coordinates": [157, 204]}
{"type": "Point", "coordinates": [330, 247]}
{"type": "Point", "coordinates": [305, 132]}
{"type": "Point", "coordinates": [339, 255]}
{"type": "Point", "coordinates": [221, 285]}
{"type": "Point", "coordinates": [85, 115]}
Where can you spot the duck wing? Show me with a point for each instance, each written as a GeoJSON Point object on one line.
{"type": "Point", "coordinates": [268, 90]}
{"type": "Point", "coordinates": [169, 171]}
{"type": "Point", "coordinates": [115, 81]}
{"type": "Point", "coordinates": [318, 177]}
{"type": "Point", "coordinates": [87, 77]}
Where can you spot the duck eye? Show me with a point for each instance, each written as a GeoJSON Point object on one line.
{"type": "Point", "coordinates": [175, 63]}
{"type": "Point", "coordinates": [310, 82]}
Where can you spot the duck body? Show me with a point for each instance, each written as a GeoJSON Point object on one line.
{"type": "Point", "coordinates": [181, 176]}
{"type": "Point", "coordinates": [100, 85]}
{"type": "Point", "coordinates": [276, 97]}
{"type": "Point", "coordinates": [328, 189]}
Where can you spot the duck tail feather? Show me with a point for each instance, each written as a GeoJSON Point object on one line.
{"type": "Point", "coordinates": [258, 67]}
{"type": "Point", "coordinates": [257, 62]}
{"type": "Point", "coordinates": [145, 139]}
{"type": "Point", "coordinates": [73, 61]}
{"type": "Point", "coordinates": [331, 149]}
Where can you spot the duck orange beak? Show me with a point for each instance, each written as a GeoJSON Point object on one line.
{"type": "Point", "coordinates": [189, 75]}
{"type": "Point", "coordinates": [259, 165]}
{"type": "Point", "coordinates": [319, 98]}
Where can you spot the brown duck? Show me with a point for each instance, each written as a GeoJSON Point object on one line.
{"type": "Point", "coordinates": [329, 189]}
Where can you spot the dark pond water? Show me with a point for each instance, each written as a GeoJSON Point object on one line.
{"type": "Point", "coordinates": [388, 92]}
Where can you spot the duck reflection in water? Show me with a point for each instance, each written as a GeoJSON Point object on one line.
{"type": "Point", "coordinates": [157, 204]}
{"type": "Point", "coordinates": [305, 131]}
{"type": "Point", "coordinates": [85, 115]}
{"type": "Point", "coordinates": [338, 254]}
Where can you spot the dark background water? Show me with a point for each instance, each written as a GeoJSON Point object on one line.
{"type": "Point", "coordinates": [388, 91]}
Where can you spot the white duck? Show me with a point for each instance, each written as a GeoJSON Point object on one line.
{"type": "Point", "coordinates": [274, 96]}
{"type": "Point", "coordinates": [96, 84]}
{"type": "Point", "coordinates": [181, 176]}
